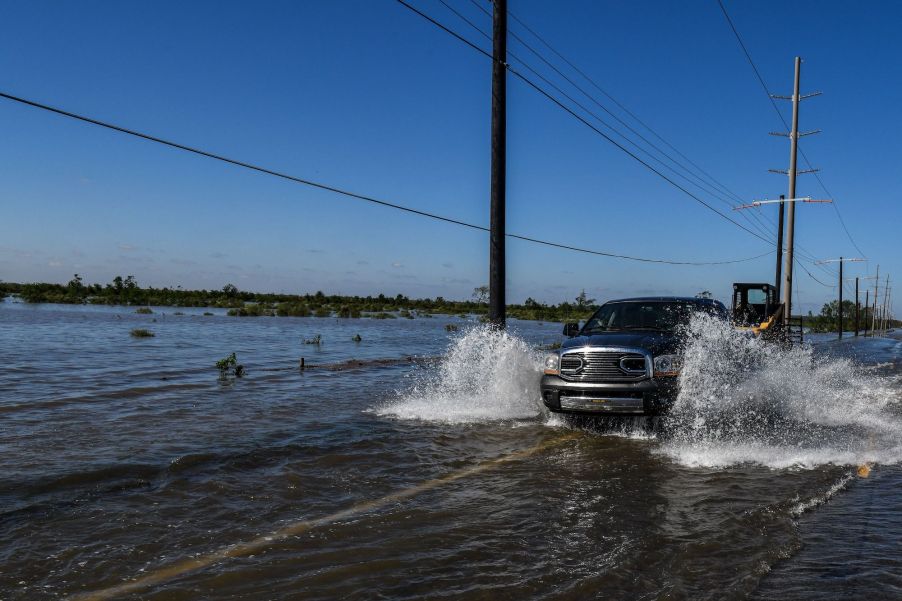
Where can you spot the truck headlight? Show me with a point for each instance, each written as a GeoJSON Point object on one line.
{"type": "Point", "coordinates": [668, 365]}
{"type": "Point", "coordinates": [552, 365]}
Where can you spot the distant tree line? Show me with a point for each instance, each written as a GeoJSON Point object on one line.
{"type": "Point", "coordinates": [828, 319]}
{"type": "Point", "coordinates": [127, 291]}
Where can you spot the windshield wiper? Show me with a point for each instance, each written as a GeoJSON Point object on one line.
{"type": "Point", "coordinates": [652, 328]}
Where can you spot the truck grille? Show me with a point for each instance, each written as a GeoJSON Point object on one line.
{"type": "Point", "coordinates": [603, 366]}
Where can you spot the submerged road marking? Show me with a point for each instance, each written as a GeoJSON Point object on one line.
{"type": "Point", "coordinates": [186, 566]}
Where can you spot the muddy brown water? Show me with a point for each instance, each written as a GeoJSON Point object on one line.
{"type": "Point", "coordinates": [129, 469]}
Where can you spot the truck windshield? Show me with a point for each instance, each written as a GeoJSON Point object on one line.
{"type": "Point", "coordinates": [663, 316]}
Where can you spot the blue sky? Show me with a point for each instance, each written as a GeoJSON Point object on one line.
{"type": "Point", "coordinates": [367, 96]}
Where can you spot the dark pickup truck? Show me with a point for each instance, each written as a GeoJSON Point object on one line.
{"type": "Point", "coordinates": [625, 360]}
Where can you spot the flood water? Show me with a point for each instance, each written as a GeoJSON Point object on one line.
{"type": "Point", "coordinates": [129, 469]}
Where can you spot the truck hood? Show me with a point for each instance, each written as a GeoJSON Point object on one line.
{"type": "Point", "coordinates": [658, 343]}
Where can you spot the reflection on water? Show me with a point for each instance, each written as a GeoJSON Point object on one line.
{"type": "Point", "coordinates": [121, 456]}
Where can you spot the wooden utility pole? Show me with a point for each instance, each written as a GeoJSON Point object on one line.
{"type": "Point", "coordinates": [779, 276]}
{"type": "Point", "coordinates": [840, 297]}
{"type": "Point", "coordinates": [889, 308]}
{"type": "Point", "coordinates": [791, 218]}
{"type": "Point", "coordinates": [793, 173]}
{"type": "Point", "coordinates": [857, 307]}
{"type": "Point", "coordinates": [497, 303]}
{"type": "Point", "coordinates": [839, 308]}
{"type": "Point", "coordinates": [874, 312]}
{"type": "Point", "coordinates": [867, 307]}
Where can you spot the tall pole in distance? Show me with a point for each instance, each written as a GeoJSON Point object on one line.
{"type": "Point", "coordinates": [777, 280]}
{"type": "Point", "coordinates": [857, 307]}
{"type": "Point", "coordinates": [840, 307]}
{"type": "Point", "coordinates": [874, 312]}
{"type": "Point", "coordinates": [889, 309]}
{"type": "Point", "coordinates": [497, 306]}
{"type": "Point", "coordinates": [840, 297]}
{"type": "Point", "coordinates": [791, 218]}
{"type": "Point", "coordinates": [867, 307]}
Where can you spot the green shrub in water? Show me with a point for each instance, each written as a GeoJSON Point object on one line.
{"type": "Point", "coordinates": [230, 364]}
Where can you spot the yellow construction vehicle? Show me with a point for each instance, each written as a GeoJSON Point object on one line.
{"type": "Point", "coordinates": [757, 310]}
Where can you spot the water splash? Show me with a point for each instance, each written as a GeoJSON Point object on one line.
{"type": "Point", "coordinates": [486, 376]}
{"type": "Point", "coordinates": [803, 506]}
{"type": "Point", "coordinates": [746, 401]}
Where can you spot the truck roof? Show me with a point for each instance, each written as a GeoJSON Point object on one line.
{"type": "Point", "coordinates": [687, 299]}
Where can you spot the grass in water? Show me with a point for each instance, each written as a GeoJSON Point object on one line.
{"type": "Point", "coordinates": [142, 333]}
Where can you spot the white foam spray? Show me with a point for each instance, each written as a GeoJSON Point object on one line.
{"type": "Point", "coordinates": [743, 400]}
{"type": "Point", "coordinates": [486, 376]}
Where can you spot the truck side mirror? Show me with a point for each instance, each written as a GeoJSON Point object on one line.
{"type": "Point", "coordinates": [571, 329]}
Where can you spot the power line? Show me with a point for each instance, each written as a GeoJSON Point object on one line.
{"type": "Point", "coordinates": [786, 125]}
{"type": "Point", "coordinates": [599, 119]}
{"type": "Point", "coordinates": [716, 184]}
{"type": "Point", "coordinates": [802, 251]}
{"type": "Point", "coordinates": [618, 103]}
{"type": "Point", "coordinates": [590, 97]}
{"type": "Point", "coordinates": [699, 183]}
{"type": "Point", "coordinates": [574, 248]}
{"type": "Point", "coordinates": [799, 264]}
{"type": "Point", "coordinates": [561, 105]}
{"type": "Point", "coordinates": [636, 118]}
{"type": "Point", "coordinates": [341, 191]}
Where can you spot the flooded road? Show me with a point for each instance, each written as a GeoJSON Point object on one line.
{"type": "Point", "coordinates": [130, 469]}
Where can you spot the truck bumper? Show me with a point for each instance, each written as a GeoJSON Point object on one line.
{"type": "Point", "coordinates": [648, 397]}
